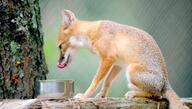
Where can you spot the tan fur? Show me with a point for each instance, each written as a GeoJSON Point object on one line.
{"type": "Point", "coordinates": [113, 42]}
{"type": "Point", "coordinates": [112, 74]}
{"type": "Point", "coordinates": [142, 94]}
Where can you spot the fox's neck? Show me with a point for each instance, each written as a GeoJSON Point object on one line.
{"type": "Point", "coordinates": [84, 34]}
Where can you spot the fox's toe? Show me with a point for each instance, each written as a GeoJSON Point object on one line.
{"type": "Point", "coordinates": [79, 96]}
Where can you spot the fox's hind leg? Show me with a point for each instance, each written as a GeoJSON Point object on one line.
{"type": "Point", "coordinates": [149, 83]}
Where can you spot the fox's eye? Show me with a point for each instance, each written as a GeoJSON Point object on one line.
{"type": "Point", "coordinates": [60, 46]}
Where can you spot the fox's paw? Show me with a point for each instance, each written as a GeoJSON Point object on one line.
{"type": "Point", "coordinates": [185, 107]}
{"type": "Point", "coordinates": [130, 94]}
{"type": "Point", "coordinates": [100, 95]}
{"type": "Point", "coordinates": [79, 95]}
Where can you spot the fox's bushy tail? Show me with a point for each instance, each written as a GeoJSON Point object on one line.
{"type": "Point", "coordinates": [174, 100]}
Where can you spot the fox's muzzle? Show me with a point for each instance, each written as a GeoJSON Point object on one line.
{"type": "Point", "coordinates": [65, 59]}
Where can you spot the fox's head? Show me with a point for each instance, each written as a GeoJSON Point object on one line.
{"type": "Point", "coordinates": [66, 48]}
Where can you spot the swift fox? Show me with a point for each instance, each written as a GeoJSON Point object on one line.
{"type": "Point", "coordinates": [118, 46]}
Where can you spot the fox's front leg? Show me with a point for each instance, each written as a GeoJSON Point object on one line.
{"type": "Point", "coordinates": [104, 67]}
{"type": "Point", "coordinates": [111, 75]}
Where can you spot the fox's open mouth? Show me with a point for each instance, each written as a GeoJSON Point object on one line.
{"type": "Point", "coordinates": [62, 63]}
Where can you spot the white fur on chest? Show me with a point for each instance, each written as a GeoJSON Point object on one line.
{"type": "Point", "coordinates": [81, 41]}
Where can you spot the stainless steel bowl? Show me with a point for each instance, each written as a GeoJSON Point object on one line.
{"type": "Point", "coordinates": [56, 88]}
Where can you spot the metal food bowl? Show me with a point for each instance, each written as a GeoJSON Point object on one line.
{"type": "Point", "coordinates": [56, 88]}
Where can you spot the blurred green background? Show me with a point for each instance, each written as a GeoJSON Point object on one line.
{"type": "Point", "coordinates": [168, 21]}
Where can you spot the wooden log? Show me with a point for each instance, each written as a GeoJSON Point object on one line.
{"type": "Point", "coordinates": [15, 103]}
{"type": "Point", "coordinates": [89, 103]}
{"type": "Point", "coordinates": [109, 103]}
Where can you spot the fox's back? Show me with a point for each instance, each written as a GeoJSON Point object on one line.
{"type": "Point", "coordinates": [136, 43]}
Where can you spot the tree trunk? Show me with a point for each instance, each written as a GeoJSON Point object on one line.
{"type": "Point", "coordinates": [22, 61]}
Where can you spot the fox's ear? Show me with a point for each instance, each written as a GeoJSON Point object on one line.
{"type": "Point", "coordinates": [68, 18]}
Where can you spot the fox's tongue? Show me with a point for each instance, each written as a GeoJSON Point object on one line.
{"type": "Point", "coordinates": [61, 65]}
